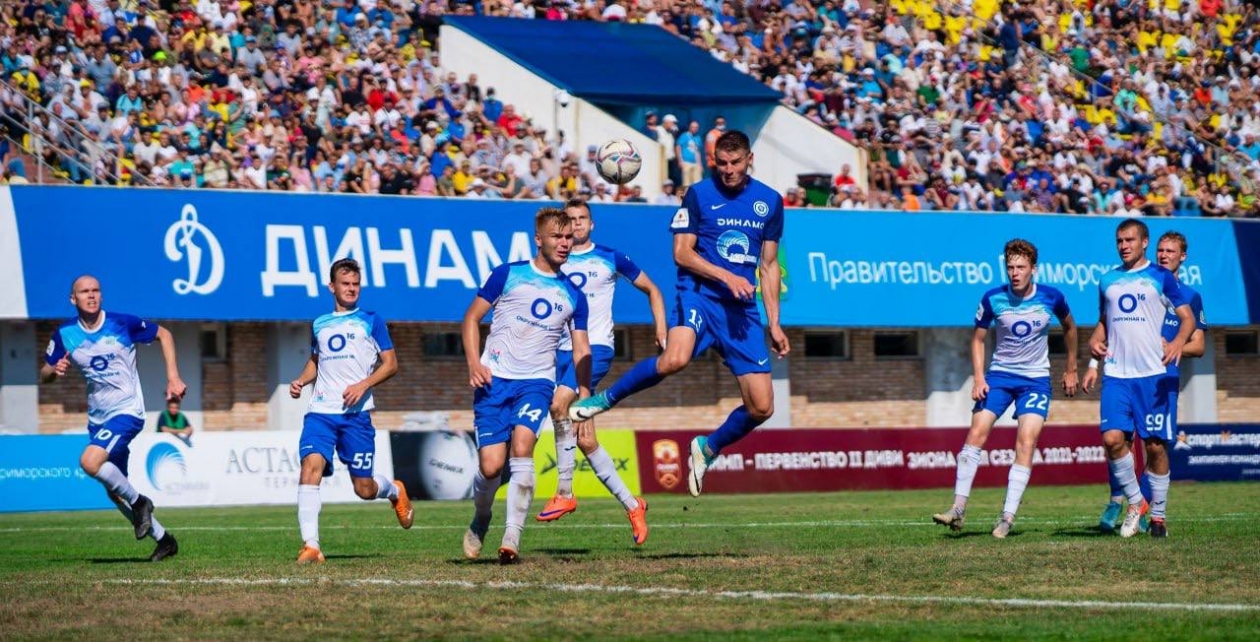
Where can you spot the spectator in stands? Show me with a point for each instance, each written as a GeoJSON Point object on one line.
{"type": "Point", "coordinates": [174, 422]}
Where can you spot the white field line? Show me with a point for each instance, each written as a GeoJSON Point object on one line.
{"type": "Point", "coordinates": [663, 591]}
{"type": "Point", "coordinates": [1083, 521]}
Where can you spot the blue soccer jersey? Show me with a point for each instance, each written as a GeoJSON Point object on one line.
{"type": "Point", "coordinates": [1134, 304]}
{"type": "Point", "coordinates": [1172, 323]}
{"type": "Point", "coordinates": [1023, 326]}
{"type": "Point", "coordinates": [595, 271]}
{"type": "Point", "coordinates": [729, 228]}
{"type": "Point", "coordinates": [347, 346]}
{"type": "Point", "coordinates": [531, 311]}
{"type": "Point", "coordinates": [106, 356]}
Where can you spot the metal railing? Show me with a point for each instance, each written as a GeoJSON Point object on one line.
{"type": "Point", "coordinates": [75, 154]}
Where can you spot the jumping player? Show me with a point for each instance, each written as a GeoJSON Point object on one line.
{"type": "Point", "coordinates": [726, 234]}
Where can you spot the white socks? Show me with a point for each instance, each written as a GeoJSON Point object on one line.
{"type": "Point", "coordinates": [566, 456]}
{"type": "Point", "coordinates": [602, 463]}
{"type": "Point", "coordinates": [1159, 493]}
{"type": "Point", "coordinates": [116, 483]}
{"type": "Point", "coordinates": [968, 462]}
{"type": "Point", "coordinates": [483, 496]}
{"type": "Point", "coordinates": [1016, 482]}
{"type": "Point", "coordinates": [385, 488]}
{"type": "Point", "coordinates": [1123, 470]}
{"type": "Point", "coordinates": [520, 494]}
{"type": "Point", "coordinates": [308, 514]}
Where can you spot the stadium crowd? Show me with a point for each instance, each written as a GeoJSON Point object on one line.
{"type": "Point", "coordinates": [1111, 106]}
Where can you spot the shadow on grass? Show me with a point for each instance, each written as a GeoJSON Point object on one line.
{"type": "Point", "coordinates": [1082, 531]}
{"type": "Point", "coordinates": [117, 560]}
{"type": "Point", "coordinates": [564, 551]}
{"type": "Point", "coordinates": [353, 557]}
{"type": "Point", "coordinates": [687, 556]}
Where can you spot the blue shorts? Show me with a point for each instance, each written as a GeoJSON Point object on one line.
{"type": "Point", "coordinates": [732, 328]}
{"type": "Point", "coordinates": [1146, 405]}
{"type": "Point", "coordinates": [115, 437]}
{"type": "Point", "coordinates": [507, 403]}
{"type": "Point", "coordinates": [1029, 394]}
{"type": "Point", "coordinates": [351, 434]}
{"type": "Point", "coordinates": [566, 373]}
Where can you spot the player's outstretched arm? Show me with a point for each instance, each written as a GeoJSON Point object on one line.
{"type": "Point", "coordinates": [979, 386]}
{"type": "Point", "coordinates": [771, 283]}
{"type": "Point", "coordinates": [687, 258]}
{"type": "Point", "coordinates": [175, 386]}
{"type": "Point", "coordinates": [478, 374]}
{"type": "Point", "coordinates": [1070, 342]}
{"type": "Point", "coordinates": [309, 372]}
{"type": "Point", "coordinates": [657, 302]}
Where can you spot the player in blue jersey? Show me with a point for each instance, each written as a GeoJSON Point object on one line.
{"type": "Point", "coordinates": [1019, 374]}
{"type": "Point", "coordinates": [515, 377]}
{"type": "Point", "coordinates": [1134, 301]}
{"type": "Point", "coordinates": [594, 269]}
{"type": "Point", "coordinates": [1170, 253]}
{"type": "Point", "coordinates": [726, 234]}
{"type": "Point", "coordinates": [103, 348]}
{"type": "Point", "coordinates": [351, 354]}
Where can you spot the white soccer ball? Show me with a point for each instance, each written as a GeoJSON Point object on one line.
{"type": "Point", "coordinates": [618, 162]}
{"type": "Point", "coordinates": [447, 463]}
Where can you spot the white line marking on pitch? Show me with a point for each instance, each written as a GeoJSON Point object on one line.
{"type": "Point", "coordinates": [654, 591]}
{"type": "Point", "coordinates": [1083, 521]}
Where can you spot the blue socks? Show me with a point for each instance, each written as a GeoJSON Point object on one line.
{"type": "Point", "coordinates": [641, 377]}
{"type": "Point", "coordinates": [738, 424]}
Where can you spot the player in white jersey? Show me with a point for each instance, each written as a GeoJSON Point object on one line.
{"type": "Point", "coordinates": [594, 269]}
{"type": "Point", "coordinates": [1170, 253]}
{"type": "Point", "coordinates": [103, 348]}
{"type": "Point", "coordinates": [1134, 299]}
{"type": "Point", "coordinates": [351, 353]}
{"type": "Point", "coordinates": [515, 377]}
{"type": "Point", "coordinates": [1018, 374]}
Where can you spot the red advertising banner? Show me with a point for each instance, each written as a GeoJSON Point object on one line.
{"type": "Point", "coordinates": [773, 460]}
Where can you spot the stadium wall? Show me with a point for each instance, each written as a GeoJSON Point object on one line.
{"type": "Point", "coordinates": [790, 144]}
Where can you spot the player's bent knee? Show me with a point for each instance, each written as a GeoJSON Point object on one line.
{"type": "Point", "coordinates": [761, 411]}
{"type": "Point", "coordinates": [588, 443]}
{"type": "Point", "coordinates": [668, 364]}
{"type": "Point", "coordinates": [365, 488]}
{"type": "Point", "coordinates": [90, 465]}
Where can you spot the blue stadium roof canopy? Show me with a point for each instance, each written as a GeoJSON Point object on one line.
{"type": "Point", "coordinates": [619, 64]}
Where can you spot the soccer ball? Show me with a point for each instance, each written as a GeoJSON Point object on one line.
{"type": "Point", "coordinates": [618, 162]}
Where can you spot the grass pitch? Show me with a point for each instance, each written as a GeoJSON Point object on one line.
{"type": "Point", "coordinates": [865, 565]}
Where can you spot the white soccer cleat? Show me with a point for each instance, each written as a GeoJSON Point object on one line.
{"type": "Point", "coordinates": [1003, 526]}
{"type": "Point", "coordinates": [473, 542]}
{"type": "Point", "coordinates": [1132, 522]}
{"type": "Point", "coordinates": [953, 518]}
{"type": "Point", "coordinates": [699, 463]}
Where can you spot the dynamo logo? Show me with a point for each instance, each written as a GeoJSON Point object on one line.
{"type": "Point", "coordinates": [733, 246]}
{"type": "Point", "coordinates": [187, 239]}
{"type": "Point", "coordinates": [164, 465]}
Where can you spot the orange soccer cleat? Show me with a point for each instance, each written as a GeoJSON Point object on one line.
{"type": "Point", "coordinates": [638, 522]}
{"type": "Point", "coordinates": [310, 555]}
{"type": "Point", "coordinates": [402, 506]}
{"type": "Point", "coordinates": [556, 508]}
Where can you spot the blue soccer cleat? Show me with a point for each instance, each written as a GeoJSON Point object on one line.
{"type": "Point", "coordinates": [584, 409]}
{"type": "Point", "coordinates": [1110, 518]}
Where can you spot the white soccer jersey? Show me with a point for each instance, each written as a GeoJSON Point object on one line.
{"type": "Point", "coordinates": [1023, 325]}
{"type": "Point", "coordinates": [594, 271]}
{"type": "Point", "coordinates": [107, 358]}
{"type": "Point", "coordinates": [347, 345]}
{"type": "Point", "coordinates": [1134, 303]}
{"type": "Point", "coordinates": [531, 311]}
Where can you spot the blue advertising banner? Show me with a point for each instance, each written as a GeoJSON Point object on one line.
{"type": "Point", "coordinates": [41, 472]}
{"type": "Point", "coordinates": [227, 256]}
{"type": "Point", "coordinates": [1216, 452]}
